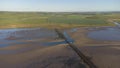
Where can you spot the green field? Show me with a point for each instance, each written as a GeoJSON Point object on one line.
{"type": "Point", "coordinates": [39, 19]}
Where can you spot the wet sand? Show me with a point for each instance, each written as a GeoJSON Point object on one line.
{"type": "Point", "coordinates": [81, 37]}
{"type": "Point", "coordinates": [104, 54]}
{"type": "Point", "coordinates": [41, 51]}
{"type": "Point", "coordinates": [60, 56]}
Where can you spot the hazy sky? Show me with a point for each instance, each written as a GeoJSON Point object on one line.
{"type": "Point", "coordinates": [60, 5]}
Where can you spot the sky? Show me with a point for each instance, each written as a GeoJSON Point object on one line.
{"type": "Point", "coordinates": [60, 5]}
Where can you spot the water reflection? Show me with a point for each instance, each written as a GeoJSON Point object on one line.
{"type": "Point", "coordinates": [108, 34]}
{"type": "Point", "coordinates": [10, 37]}
{"type": "Point", "coordinates": [68, 38]}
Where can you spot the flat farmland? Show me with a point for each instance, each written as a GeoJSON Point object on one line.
{"type": "Point", "coordinates": [38, 19]}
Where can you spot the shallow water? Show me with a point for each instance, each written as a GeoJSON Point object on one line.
{"type": "Point", "coordinates": [26, 36]}
{"type": "Point", "coordinates": [68, 38]}
{"type": "Point", "coordinates": [19, 36]}
{"type": "Point", "coordinates": [106, 34]}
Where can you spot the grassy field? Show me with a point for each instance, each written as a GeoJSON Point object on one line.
{"type": "Point", "coordinates": [38, 19]}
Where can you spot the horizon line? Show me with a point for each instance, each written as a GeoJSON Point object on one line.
{"type": "Point", "coordinates": [57, 11]}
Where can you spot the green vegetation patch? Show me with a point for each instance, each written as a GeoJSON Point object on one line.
{"type": "Point", "coordinates": [30, 19]}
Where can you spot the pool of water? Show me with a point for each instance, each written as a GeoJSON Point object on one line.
{"type": "Point", "coordinates": [9, 37]}
{"type": "Point", "coordinates": [106, 34]}
{"type": "Point", "coordinates": [20, 36]}
{"type": "Point", "coordinates": [29, 36]}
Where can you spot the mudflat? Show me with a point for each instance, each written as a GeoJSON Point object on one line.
{"type": "Point", "coordinates": [104, 54]}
